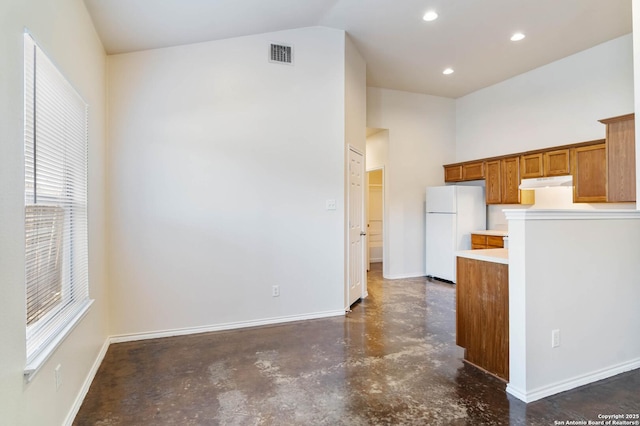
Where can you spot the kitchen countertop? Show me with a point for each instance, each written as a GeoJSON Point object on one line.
{"type": "Point", "coordinates": [498, 255]}
{"type": "Point", "coordinates": [491, 232]}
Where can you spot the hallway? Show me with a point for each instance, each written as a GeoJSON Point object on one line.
{"type": "Point", "coordinates": [391, 361]}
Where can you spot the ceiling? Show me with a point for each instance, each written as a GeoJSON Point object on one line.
{"type": "Point", "coordinates": [402, 51]}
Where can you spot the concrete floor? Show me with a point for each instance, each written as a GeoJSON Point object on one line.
{"type": "Point", "coordinates": [391, 361]}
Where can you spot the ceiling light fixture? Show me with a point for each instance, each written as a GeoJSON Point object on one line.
{"type": "Point", "coordinates": [430, 16]}
{"type": "Point", "coordinates": [517, 37]}
{"type": "Point", "coordinates": [447, 71]}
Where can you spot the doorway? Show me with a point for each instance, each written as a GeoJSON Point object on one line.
{"type": "Point", "coordinates": [357, 230]}
{"type": "Point", "coordinates": [375, 214]}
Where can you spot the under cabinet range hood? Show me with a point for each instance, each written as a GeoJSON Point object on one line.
{"type": "Point", "coordinates": [546, 182]}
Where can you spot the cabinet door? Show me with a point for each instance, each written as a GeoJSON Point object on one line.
{"type": "Point", "coordinates": [589, 165]}
{"type": "Point", "coordinates": [511, 180]}
{"type": "Point", "coordinates": [621, 157]}
{"type": "Point", "coordinates": [482, 314]}
{"type": "Point", "coordinates": [473, 171]}
{"type": "Point", "coordinates": [557, 163]}
{"type": "Point", "coordinates": [532, 166]}
{"type": "Point", "coordinates": [453, 173]}
{"type": "Point", "coordinates": [493, 182]}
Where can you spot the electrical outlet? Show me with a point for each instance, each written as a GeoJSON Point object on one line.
{"type": "Point", "coordinates": [58, 375]}
{"type": "Point", "coordinates": [555, 338]}
{"type": "Point", "coordinates": [275, 291]}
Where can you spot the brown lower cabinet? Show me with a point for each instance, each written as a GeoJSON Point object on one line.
{"type": "Point", "coordinates": [482, 314]}
{"type": "Point", "coordinates": [480, 241]}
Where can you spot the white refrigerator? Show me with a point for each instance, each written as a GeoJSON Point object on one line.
{"type": "Point", "coordinates": [452, 213]}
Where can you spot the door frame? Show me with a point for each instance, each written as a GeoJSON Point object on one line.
{"type": "Point", "coordinates": [384, 220]}
{"type": "Point", "coordinates": [364, 244]}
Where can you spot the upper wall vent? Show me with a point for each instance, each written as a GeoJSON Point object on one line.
{"type": "Point", "coordinates": [281, 53]}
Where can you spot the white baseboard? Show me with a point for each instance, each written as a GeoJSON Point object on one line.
{"type": "Point", "coordinates": [402, 276]}
{"type": "Point", "coordinates": [87, 384]}
{"type": "Point", "coordinates": [220, 327]}
{"type": "Point", "coordinates": [565, 385]}
{"type": "Point", "coordinates": [375, 260]}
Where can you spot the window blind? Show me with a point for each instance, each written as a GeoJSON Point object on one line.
{"type": "Point", "coordinates": [56, 242]}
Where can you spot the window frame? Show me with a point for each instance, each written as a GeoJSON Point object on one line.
{"type": "Point", "coordinates": [56, 160]}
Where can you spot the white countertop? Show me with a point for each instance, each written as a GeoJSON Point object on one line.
{"type": "Point", "coordinates": [493, 232]}
{"type": "Point", "coordinates": [498, 255]}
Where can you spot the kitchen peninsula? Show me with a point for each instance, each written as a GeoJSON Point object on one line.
{"type": "Point", "coordinates": [482, 309]}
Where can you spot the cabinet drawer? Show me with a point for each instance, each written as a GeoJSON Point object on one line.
{"type": "Point", "coordinates": [479, 240]}
{"type": "Point", "coordinates": [494, 241]}
{"type": "Point", "coordinates": [486, 241]}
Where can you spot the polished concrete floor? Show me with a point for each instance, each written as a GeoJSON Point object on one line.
{"type": "Point", "coordinates": [391, 361]}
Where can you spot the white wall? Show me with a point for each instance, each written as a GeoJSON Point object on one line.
{"type": "Point", "coordinates": [355, 103]}
{"type": "Point", "coordinates": [65, 32]}
{"type": "Point", "coordinates": [577, 272]}
{"type": "Point", "coordinates": [636, 73]}
{"type": "Point", "coordinates": [556, 104]}
{"type": "Point", "coordinates": [223, 163]}
{"type": "Point", "coordinates": [421, 139]}
{"type": "Point", "coordinates": [377, 149]}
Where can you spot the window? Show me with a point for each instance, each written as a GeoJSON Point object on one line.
{"type": "Point", "coordinates": [56, 247]}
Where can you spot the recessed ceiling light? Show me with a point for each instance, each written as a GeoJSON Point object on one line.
{"type": "Point", "coordinates": [517, 37]}
{"type": "Point", "coordinates": [447, 71]}
{"type": "Point", "coordinates": [430, 16]}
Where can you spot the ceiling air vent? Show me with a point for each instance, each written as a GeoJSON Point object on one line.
{"type": "Point", "coordinates": [281, 53]}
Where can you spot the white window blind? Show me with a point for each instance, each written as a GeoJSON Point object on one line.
{"type": "Point", "coordinates": [56, 247]}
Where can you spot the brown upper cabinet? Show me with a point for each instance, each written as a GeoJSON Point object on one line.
{"type": "Point", "coordinates": [603, 170]}
{"type": "Point", "coordinates": [493, 185]}
{"type": "Point", "coordinates": [511, 180]}
{"type": "Point", "coordinates": [464, 171]}
{"type": "Point", "coordinates": [554, 162]}
{"type": "Point", "coordinates": [557, 162]}
{"type": "Point", "coordinates": [532, 166]}
{"type": "Point", "coordinates": [621, 158]}
{"type": "Point", "coordinates": [453, 173]}
{"type": "Point", "coordinates": [473, 171]}
{"type": "Point", "coordinates": [502, 181]}
{"type": "Point", "coordinates": [589, 173]}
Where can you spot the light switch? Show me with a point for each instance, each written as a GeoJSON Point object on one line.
{"type": "Point", "coordinates": [331, 204]}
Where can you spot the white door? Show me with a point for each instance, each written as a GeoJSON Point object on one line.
{"type": "Point", "coordinates": [356, 221]}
